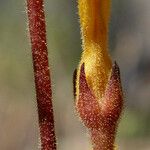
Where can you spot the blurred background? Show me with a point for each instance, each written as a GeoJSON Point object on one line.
{"type": "Point", "coordinates": [130, 47]}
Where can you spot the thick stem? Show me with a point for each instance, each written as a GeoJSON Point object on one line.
{"type": "Point", "coordinates": [102, 140]}
{"type": "Point", "coordinates": [98, 94]}
{"type": "Point", "coordinates": [100, 117]}
{"type": "Point", "coordinates": [37, 30]}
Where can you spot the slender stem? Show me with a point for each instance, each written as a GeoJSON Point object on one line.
{"type": "Point", "coordinates": [37, 30]}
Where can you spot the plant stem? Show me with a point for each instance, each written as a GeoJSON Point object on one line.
{"type": "Point", "coordinates": [102, 140]}
{"type": "Point", "coordinates": [37, 29]}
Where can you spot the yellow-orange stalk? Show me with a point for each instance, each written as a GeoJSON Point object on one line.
{"type": "Point", "coordinates": [94, 18]}
{"type": "Point", "coordinates": [98, 90]}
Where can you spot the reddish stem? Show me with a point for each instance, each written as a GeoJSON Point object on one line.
{"type": "Point", "coordinates": [37, 30]}
{"type": "Point", "coordinates": [102, 140]}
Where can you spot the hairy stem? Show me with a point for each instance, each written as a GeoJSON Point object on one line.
{"type": "Point", "coordinates": [102, 140]}
{"type": "Point", "coordinates": [37, 29]}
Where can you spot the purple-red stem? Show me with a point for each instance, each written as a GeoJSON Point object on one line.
{"type": "Point", "coordinates": [37, 29]}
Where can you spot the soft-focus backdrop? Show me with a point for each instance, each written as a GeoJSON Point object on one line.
{"type": "Point", "coordinates": [130, 47]}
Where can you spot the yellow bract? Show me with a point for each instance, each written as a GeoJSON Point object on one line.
{"type": "Point", "coordinates": [94, 20]}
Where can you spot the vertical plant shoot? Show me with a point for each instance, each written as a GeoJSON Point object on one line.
{"type": "Point", "coordinates": [98, 92]}
{"type": "Point", "coordinates": [37, 29]}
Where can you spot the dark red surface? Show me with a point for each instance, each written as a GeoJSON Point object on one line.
{"type": "Point", "coordinates": [74, 82]}
{"type": "Point", "coordinates": [37, 29]}
{"type": "Point", "coordinates": [101, 116]}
